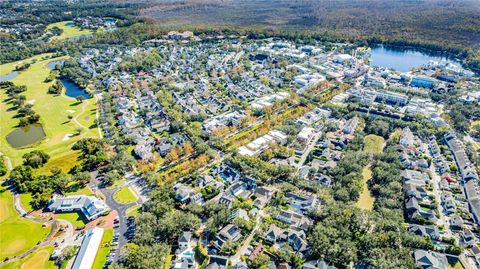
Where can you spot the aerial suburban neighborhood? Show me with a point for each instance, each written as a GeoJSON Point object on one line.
{"type": "Point", "coordinates": [131, 147]}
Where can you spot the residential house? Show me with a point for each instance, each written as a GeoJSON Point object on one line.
{"type": "Point", "coordinates": [217, 262]}
{"type": "Point", "coordinates": [430, 231]}
{"type": "Point", "coordinates": [231, 232]}
{"type": "Point", "coordinates": [429, 260]}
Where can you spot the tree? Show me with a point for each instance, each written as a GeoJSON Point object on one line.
{"type": "Point", "coordinates": [476, 131]}
{"type": "Point", "coordinates": [3, 166]}
{"type": "Point", "coordinates": [80, 98]}
{"type": "Point", "coordinates": [187, 149]}
{"type": "Point", "coordinates": [82, 178]}
{"type": "Point", "coordinates": [35, 158]}
{"type": "Point", "coordinates": [176, 221]}
{"type": "Point", "coordinates": [172, 155]}
{"type": "Point", "coordinates": [110, 177]}
{"type": "Point", "coordinates": [147, 256]}
{"type": "Point", "coordinates": [21, 175]}
{"type": "Point", "coordinates": [262, 261]}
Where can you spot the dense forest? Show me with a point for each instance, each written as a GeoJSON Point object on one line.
{"type": "Point", "coordinates": [452, 27]}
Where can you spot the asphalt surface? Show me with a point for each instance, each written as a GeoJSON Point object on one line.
{"type": "Point", "coordinates": [121, 212]}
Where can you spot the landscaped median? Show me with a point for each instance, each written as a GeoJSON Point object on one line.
{"type": "Point", "coordinates": [124, 196]}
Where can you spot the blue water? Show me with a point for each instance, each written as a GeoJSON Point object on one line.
{"type": "Point", "coordinates": [72, 89]}
{"type": "Point", "coordinates": [70, 24]}
{"type": "Point", "coordinates": [80, 37]}
{"type": "Point", "coordinates": [52, 65]}
{"type": "Point", "coordinates": [402, 60]}
{"type": "Point", "coordinates": [25, 136]}
{"type": "Point", "coordinates": [9, 76]}
{"type": "Point", "coordinates": [188, 254]}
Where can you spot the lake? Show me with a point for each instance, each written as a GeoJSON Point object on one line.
{"type": "Point", "coordinates": [70, 24]}
{"type": "Point", "coordinates": [52, 65]}
{"type": "Point", "coordinates": [403, 60]}
{"type": "Point", "coordinates": [80, 37]}
{"type": "Point", "coordinates": [9, 76]}
{"type": "Point", "coordinates": [25, 136]}
{"type": "Point", "coordinates": [73, 90]}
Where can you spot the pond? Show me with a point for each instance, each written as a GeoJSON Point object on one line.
{"type": "Point", "coordinates": [403, 60]}
{"type": "Point", "coordinates": [80, 37]}
{"type": "Point", "coordinates": [25, 136]}
{"type": "Point", "coordinates": [9, 76]}
{"type": "Point", "coordinates": [73, 90]}
{"type": "Point", "coordinates": [70, 24]}
{"type": "Point", "coordinates": [52, 65]}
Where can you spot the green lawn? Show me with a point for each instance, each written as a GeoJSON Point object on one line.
{"type": "Point", "coordinates": [17, 234]}
{"type": "Point", "coordinates": [124, 196]}
{"type": "Point", "coordinates": [373, 144]}
{"type": "Point", "coordinates": [101, 257]}
{"type": "Point", "coordinates": [25, 199]}
{"type": "Point", "coordinates": [68, 31]}
{"type": "Point", "coordinates": [38, 259]}
{"type": "Point", "coordinates": [54, 118]}
{"type": "Point", "coordinates": [365, 201]}
{"type": "Point", "coordinates": [75, 218]}
{"type": "Point", "coordinates": [168, 261]}
{"type": "Point", "coordinates": [133, 211]}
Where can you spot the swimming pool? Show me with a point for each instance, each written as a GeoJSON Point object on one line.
{"type": "Point", "coordinates": [188, 253]}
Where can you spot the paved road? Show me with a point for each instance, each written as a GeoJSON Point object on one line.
{"type": "Point", "coordinates": [443, 220]}
{"type": "Point", "coordinates": [120, 208]}
{"type": "Point", "coordinates": [309, 148]}
{"type": "Point", "coordinates": [9, 162]}
{"type": "Point", "coordinates": [236, 258]}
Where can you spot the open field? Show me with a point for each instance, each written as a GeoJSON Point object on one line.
{"type": "Point", "coordinates": [373, 144]}
{"type": "Point", "coordinates": [53, 118]}
{"type": "Point", "coordinates": [365, 201]}
{"type": "Point", "coordinates": [38, 259]}
{"type": "Point", "coordinates": [68, 31]}
{"type": "Point", "coordinates": [103, 250]}
{"type": "Point", "coordinates": [17, 234]}
{"type": "Point", "coordinates": [75, 218]}
{"type": "Point", "coordinates": [124, 196]}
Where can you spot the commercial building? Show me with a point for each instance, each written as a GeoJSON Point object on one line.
{"type": "Point", "coordinates": [90, 206]}
{"type": "Point", "coordinates": [422, 82]}
{"type": "Point", "coordinates": [88, 249]}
